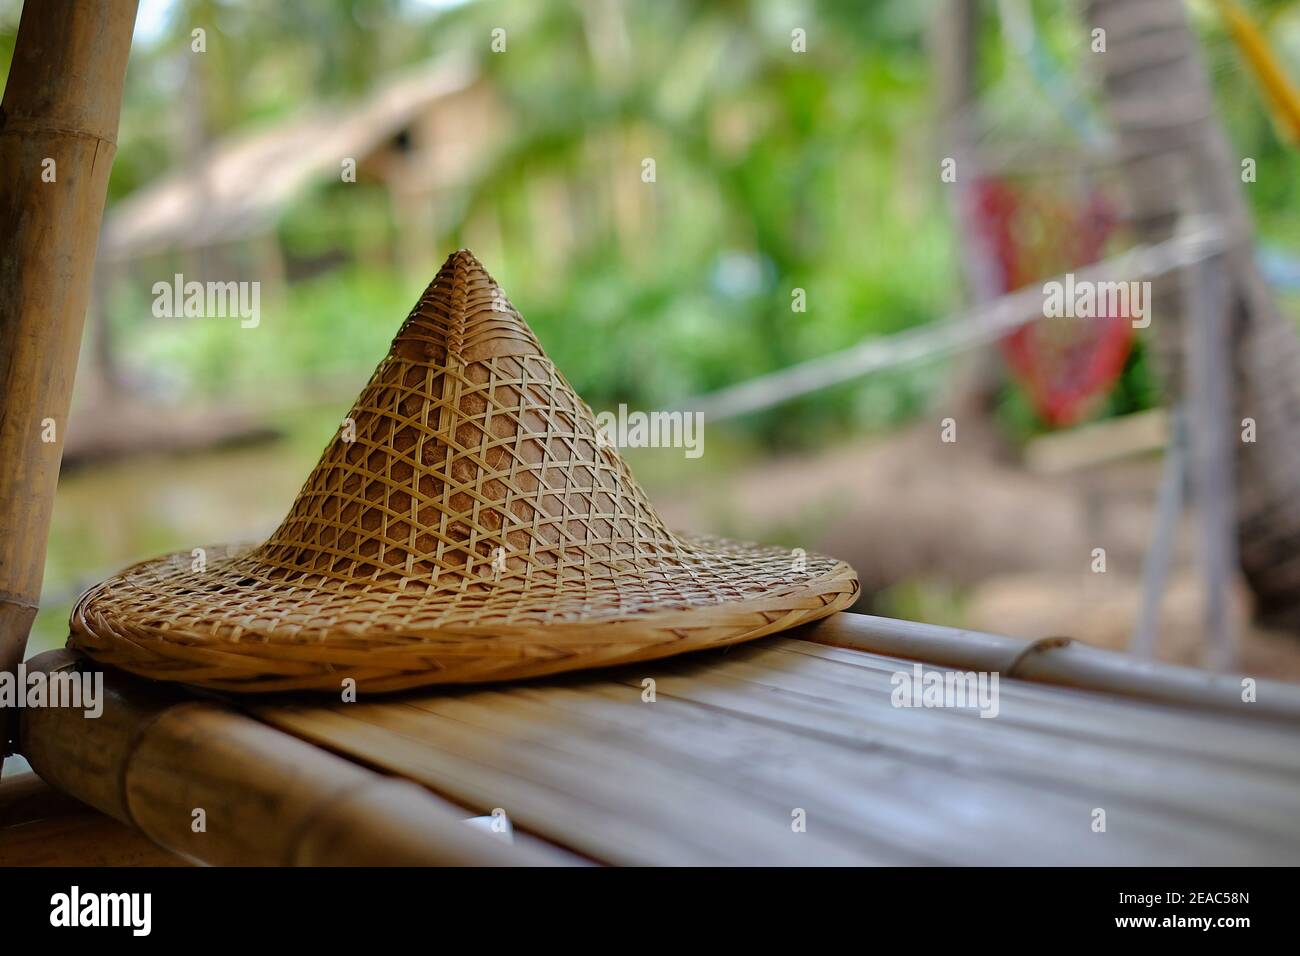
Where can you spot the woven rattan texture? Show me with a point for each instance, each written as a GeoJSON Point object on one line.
{"type": "Point", "coordinates": [466, 524]}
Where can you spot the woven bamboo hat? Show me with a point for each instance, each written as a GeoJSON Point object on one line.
{"type": "Point", "coordinates": [470, 525]}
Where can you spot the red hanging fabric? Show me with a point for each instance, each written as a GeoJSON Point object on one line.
{"type": "Point", "coordinates": [1032, 234]}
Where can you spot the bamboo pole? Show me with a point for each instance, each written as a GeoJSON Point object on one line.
{"type": "Point", "coordinates": [154, 759]}
{"type": "Point", "coordinates": [984, 323]}
{"type": "Point", "coordinates": [1057, 660]}
{"type": "Point", "coordinates": [1159, 556]}
{"type": "Point", "coordinates": [1209, 379]}
{"type": "Point", "coordinates": [58, 130]}
{"type": "Point", "coordinates": [955, 53]}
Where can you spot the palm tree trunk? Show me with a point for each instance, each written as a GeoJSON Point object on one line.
{"type": "Point", "coordinates": [1176, 161]}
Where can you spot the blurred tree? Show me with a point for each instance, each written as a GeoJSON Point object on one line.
{"type": "Point", "coordinates": [1178, 162]}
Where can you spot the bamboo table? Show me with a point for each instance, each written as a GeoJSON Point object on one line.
{"type": "Point", "coordinates": [786, 750]}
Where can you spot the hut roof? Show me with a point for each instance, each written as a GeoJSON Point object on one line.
{"type": "Point", "coordinates": [244, 182]}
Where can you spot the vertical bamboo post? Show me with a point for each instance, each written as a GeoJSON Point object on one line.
{"type": "Point", "coordinates": [1160, 553]}
{"type": "Point", "coordinates": [954, 41]}
{"type": "Point", "coordinates": [58, 132]}
{"type": "Point", "coordinates": [1209, 379]}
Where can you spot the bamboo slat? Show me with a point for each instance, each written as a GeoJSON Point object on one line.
{"type": "Point", "coordinates": [153, 759]}
{"type": "Point", "coordinates": [39, 826]}
{"type": "Point", "coordinates": [25, 797]}
{"type": "Point", "coordinates": [735, 743]}
{"type": "Point", "coordinates": [80, 839]}
{"type": "Point", "coordinates": [1060, 660]}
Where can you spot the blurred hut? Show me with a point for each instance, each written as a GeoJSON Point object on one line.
{"type": "Point", "coordinates": [219, 219]}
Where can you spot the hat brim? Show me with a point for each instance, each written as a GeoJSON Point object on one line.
{"type": "Point", "coordinates": [235, 622]}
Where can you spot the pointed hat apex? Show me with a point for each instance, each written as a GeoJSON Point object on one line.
{"type": "Point", "coordinates": [464, 316]}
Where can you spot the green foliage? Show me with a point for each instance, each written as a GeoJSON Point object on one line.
{"type": "Point", "coordinates": [1243, 110]}
{"type": "Point", "coordinates": [775, 170]}
{"type": "Point", "coordinates": [334, 325]}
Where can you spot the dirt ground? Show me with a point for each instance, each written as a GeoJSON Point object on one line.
{"type": "Point", "coordinates": [1011, 551]}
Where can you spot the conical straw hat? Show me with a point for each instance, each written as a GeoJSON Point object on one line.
{"type": "Point", "coordinates": [475, 527]}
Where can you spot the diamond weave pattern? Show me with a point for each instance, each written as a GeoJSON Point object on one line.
{"type": "Point", "coordinates": [466, 523]}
